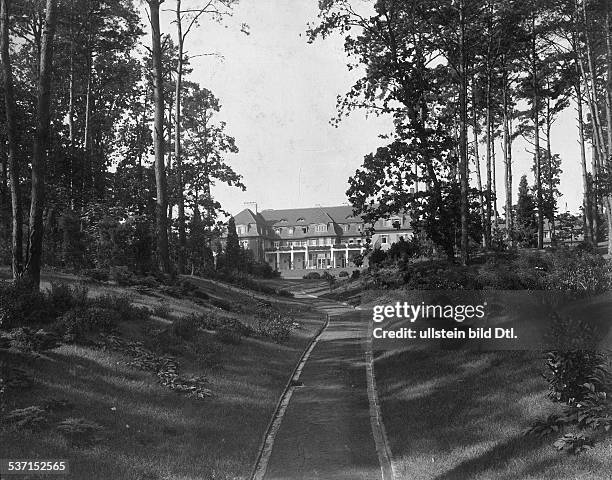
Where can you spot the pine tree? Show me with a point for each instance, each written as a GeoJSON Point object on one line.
{"type": "Point", "coordinates": [232, 247]}
{"type": "Point", "coordinates": [526, 222]}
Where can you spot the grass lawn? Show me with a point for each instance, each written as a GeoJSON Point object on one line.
{"type": "Point", "coordinates": [150, 432]}
{"type": "Point", "coordinates": [453, 414]}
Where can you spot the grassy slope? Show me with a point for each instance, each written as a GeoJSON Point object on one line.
{"type": "Point", "coordinates": [460, 415]}
{"type": "Point", "coordinates": [151, 432]}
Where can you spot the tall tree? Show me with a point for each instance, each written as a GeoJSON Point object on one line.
{"type": "Point", "coordinates": [526, 221]}
{"type": "Point", "coordinates": [40, 151]}
{"type": "Point", "coordinates": [158, 140]}
{"type": "Point", "coordinates": [12, 168]}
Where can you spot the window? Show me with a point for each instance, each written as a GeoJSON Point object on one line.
{"type": "Point", "coordinates": [277, 231]}
{"type": "Point", "coordinates": [321, 241]}
{"type": "Point", "coordinates": [276, 244]}
{"type": "Point", "coordinates": [346, 227]}
{"type": "Point", "coordinates": [351, 241]}
{"type": "Point", "coordinates": [329, 241]}
{"type": "Point", "coordinates": [312, 241]}
{"type": "Point", "coordinates": [244, 243]}
{"type": "Point", "coordinates": [300, 219]}
{"type": "Point", "coordinates": [240, 230]}
{"type": "Point", "coordinates": [384, 239]}
{"type": "Point", "coordinates": [290, 230]}
{"type": "Point", "coordinates": [304, 229]}
{"type": "Point", "coordinates": [321, 227]}
{"type": "Point", "coordinates": [359, 241]}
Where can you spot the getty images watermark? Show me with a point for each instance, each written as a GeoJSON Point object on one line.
{"type": "Point", "coordinates": [403, 312]}
{"type": "Point", "coordinates": [490, 320]}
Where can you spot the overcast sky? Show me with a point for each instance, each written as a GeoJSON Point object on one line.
{"type": "Point", "coordinates": [278, 94]}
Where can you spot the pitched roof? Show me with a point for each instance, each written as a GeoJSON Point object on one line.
{"type": "Point", "coordinates": [296, 216]}
{"type": "Point", "coordinates": [245, 217]}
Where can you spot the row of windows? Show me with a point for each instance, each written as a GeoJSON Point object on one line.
{"type": "Point", "coordinates": [313, 242]}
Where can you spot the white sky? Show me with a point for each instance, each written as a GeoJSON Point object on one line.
{"type": "Point", "coordinates": [278, 94]}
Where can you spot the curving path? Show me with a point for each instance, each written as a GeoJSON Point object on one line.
{"type": "Point", "coordinates": [326, 430]}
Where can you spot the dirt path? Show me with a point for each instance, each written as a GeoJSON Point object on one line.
{"type": "Point", "coordinates": [326, 430]}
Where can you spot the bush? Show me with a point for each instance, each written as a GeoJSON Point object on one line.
{"type": "Point", "coordinates": [21, 306]}
{"type": "Point", "coordinates": [81, 321]}
{"type": "Point", "coordinates": [122, 304]}
{"type": "Point", "coordinates": [284, 293]}
{"type": "Point", "coordinates": [377, 258]}
{"type": "Point", "coordinates": [63, 297]}
{"type": "Point", "coordinates": [573, 374]}
{"type": "Point", "coordinates": [579, 271]}
{"type": "Point", "coordinates": [355, 275]}
{"type": "Point", "coordinates": [273, 324]}
{"type": "Point", "coordinates": [343, 273]}
{"type": "Point", "coordinates": [312, 276]}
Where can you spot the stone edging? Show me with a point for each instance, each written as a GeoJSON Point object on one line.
{"type": "Point", "coordinates": [267, 442]}
{"type": "Point", "coordinates": [378, 427]}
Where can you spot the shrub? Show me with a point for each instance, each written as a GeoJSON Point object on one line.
{"type": "Point", "coordinates": [343, 273]}
{"type": "Point", "coordinates": [63, 297]}
{"type": "Point", "coordinates": [312, 276]}
{"type": "Point", "coordinates": [273, 324]}
{"type": "Point", "coordinates": [81, 321]}
{"type": "Point", "coordinates": [377, 257]}
{"type": "Point", "coordinates": [355, 275]}
{"type": "Point", "coordinates": [579, 271]}
{"type": "Point", "coordinates": [122, 304]}
{"type": "Point", "coordinates": [572, 374]}
{"type": "Point", "coordinates": [19, 306]}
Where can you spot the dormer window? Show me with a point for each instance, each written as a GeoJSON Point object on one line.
{"type": "Point", "coordinates": [301, 219]}
{"type": "Point", "coordinates": [290, 231]}
{"type": "Point", "coordinates": [322, 227]}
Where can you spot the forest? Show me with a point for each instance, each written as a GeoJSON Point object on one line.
{"type": "Point", "coordinates": [457, 77]}
{"type": "Point", "coordinates": [108, 150]}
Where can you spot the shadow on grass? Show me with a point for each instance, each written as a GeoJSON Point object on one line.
{"type": "Point", "coordinates": [151, 432]}
{"type": "Point", "coordinates": [458, 415]}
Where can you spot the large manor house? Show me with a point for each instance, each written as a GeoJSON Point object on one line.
{"type": "Point", "coordinates": [314, 238]}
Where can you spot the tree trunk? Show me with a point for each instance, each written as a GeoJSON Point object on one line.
{"type": "Point", "coordinates": [477, 158]}
{"type": "Point", "coordinates": [12, 167]}
{"type": "Point", "coordinates": [586, 187]}
{"type": "Point", "coordinates": [609, 112]}
{"type": "Point", "coordinates": [463, 173]}
{"type": "Point", "coordinates": [39, 152]}
{"type": "Point", "coordinates": [536, 126]}
{"type": "Point", "coordinates": [158, 141]}
{"type": "Point", "coordinates": [550, 179]}
{"type": "Point", "coordinates": [182, 237]}
{"type": "Point", "coordinates": [507, 160]}
{"type": "Point", "coordinates": [487, 226]}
